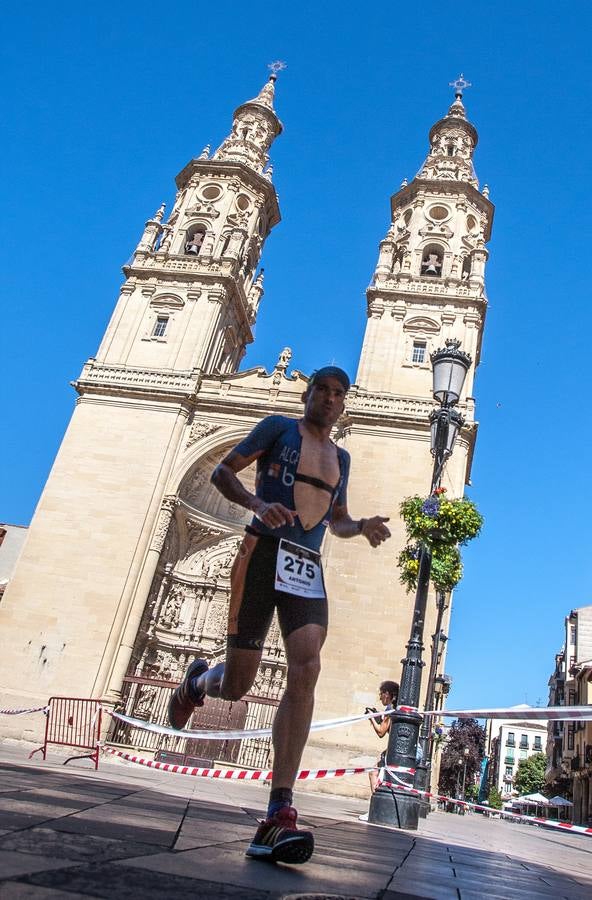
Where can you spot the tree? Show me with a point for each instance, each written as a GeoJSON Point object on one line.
{"type": "Point", "coordinates": [464, 734]}
{"type": "Point", "coordinates": [495, 798]}
{"type": "Point", "coordinates": [472, 793]}
{"type": "Point", "coordinates": [530, 776]}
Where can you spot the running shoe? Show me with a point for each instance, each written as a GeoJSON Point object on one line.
{"type": "Point", "coordinates": [184, 699]}
{"type": "Point", "coordinates": [278, 840]}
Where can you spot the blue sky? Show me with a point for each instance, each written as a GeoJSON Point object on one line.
{"type": "Point", "coordinates": [102, 107]}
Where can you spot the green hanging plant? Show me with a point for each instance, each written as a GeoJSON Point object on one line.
{"type": "Point", "coordinates": [446, 569]}
{"type": "Point", "coordinates": [442, 525]}
{"type": "Point", "coordinates": [439, 520]}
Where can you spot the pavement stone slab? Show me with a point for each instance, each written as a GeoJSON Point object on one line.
{"type": "Point", "coordinates": [107, 881]}
{"type": "Point", "coordinates": [17, 890]}
{"type": "Point", "coordinates": [73, 847]}
{"type": "Point", "coordinates": [13, 863]}
{"type": "Point", "coordinates": [228, 865]}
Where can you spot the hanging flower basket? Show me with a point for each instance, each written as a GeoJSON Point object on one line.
{"type": "Point", "coordinates": [439, 520]}
{"type": "Point", "coordinates": [442, 525]}
{"type": "Point", "coordinates": [446, 569]}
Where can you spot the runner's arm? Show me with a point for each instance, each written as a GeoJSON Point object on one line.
{"type": "Point", "coordinates": [374, 530]}
{"type": "Point", "coordinates": [224, 478]}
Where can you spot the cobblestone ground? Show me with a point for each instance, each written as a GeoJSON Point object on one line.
{"type": "Point", "coordinates": [126, 833]}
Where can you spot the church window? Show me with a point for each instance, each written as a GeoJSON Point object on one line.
{"type": "Point", "coordinates": [211, 192]}
{"type": "Point", "coordinates": [431, 263]}
{"type": "Point", "coordinates": [466, 266]}
{"type": "Point", "coordinates": [439, 213]}
{"type": "Point", "coordinates": [194, 241]}
{"type": "Point", "coordinates": [418, 353]}
{"type": "Point", "coordinates": [450, 150]}
{"type": "Point", "coordinates": [160, 326]}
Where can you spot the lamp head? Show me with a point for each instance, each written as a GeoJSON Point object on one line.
{"type": "Point", "coordinates": [450, 365]}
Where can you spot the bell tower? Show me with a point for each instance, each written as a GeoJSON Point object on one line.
{"type": "Point", "coordinates": [185, 312]}
{"type": "Point", "coordinates": [428, 286]}
{"type": "Point", "coordinates": [192, 291]}
{"type": "Point", "coordinates": [429, 281]}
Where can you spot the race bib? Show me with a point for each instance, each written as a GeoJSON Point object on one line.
{"type": "Point", "coordinates": [298, 571]}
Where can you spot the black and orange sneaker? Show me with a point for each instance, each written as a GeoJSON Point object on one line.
{"type": "Point", "coordinates": [278, 840]}
{"type": "Point", "coordinates": [184, 699]}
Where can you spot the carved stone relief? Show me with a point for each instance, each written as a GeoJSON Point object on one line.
{"type": "Point", "coordinates": [199, 430]}
{"type": "Point", "coordinates": [197, 490]}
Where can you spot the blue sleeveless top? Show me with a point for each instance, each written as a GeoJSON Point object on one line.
{"type": "Point", "coordinates": [279, 437]}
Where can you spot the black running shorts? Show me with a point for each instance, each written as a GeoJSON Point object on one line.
{"type": "Point", "coordinates": [253, 597]}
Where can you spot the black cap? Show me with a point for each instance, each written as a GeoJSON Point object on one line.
{"type": "Point", "coordinates": [331, 372]}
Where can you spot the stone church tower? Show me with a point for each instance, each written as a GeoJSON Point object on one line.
{"type": "Point", "coordinates": [428, 286]}
{"type": "Point", "coordinates": [124, 578]}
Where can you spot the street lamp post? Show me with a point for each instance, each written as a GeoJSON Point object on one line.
{"type": "Point", "coordinates": [466, 752]}
{"type": "Point", "coordinates": [388, 806]}
{"type": "Point", "coordinates": [425, 734]}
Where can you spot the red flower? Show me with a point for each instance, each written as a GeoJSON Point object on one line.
{"type": "Point", "coordinates": [440, 490]}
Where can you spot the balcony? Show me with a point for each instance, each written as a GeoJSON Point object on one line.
{"type": "Point", "coordinates": [510, 743]}
{"type": "Point", "coordinates": [523, 745]}
{"type": "Point", "coordinates": [508, 760]}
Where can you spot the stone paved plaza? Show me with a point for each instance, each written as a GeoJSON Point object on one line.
{"type": "Point", "coordinates": [127, 832]}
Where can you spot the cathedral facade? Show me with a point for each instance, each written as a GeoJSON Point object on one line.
{"type": "Point", "coordinates": [124, 578]}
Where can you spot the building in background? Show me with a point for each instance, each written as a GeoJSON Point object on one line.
{"type": "Point", "coordinates": [569, 744]}
{"type": "Point", "coordinates": [125, 575]}
{"type": "Point", "coordinates": [507, 743]}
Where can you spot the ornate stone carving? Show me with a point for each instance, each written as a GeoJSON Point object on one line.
{"type": "Point", "coordinates": [95, 373]}
{"type": "Point", "coordinates": [199, 534]}
{"type": "Point", "coordinates": [200, 430]}
{"type": "Point", "coordinates": [216, 619]}
{"type": "Point", "coordinates": [203, 207]}
{"type": "Point", "coordinates": [162, 526]}
{"type": "Point", "coordinates": [172, 611]}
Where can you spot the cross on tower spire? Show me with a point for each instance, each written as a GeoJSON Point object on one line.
{"type": "Point", "coordinates": [274, 67]}
{"type": "Point", "coordinates": [460, 85]}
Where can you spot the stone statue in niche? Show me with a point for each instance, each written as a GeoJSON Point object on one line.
{"type": "Point", "coordinates": [166, 238]}
{"type": "Point", "coordinates": [163, 666]}
{"type": "Point", "coordinates": [226, 565]}
{"type": "Point", "coordinates": [171, 615]}
{"type": "Point", "coordinates": [214, 569]}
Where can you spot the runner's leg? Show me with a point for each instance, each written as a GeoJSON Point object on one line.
{"type": "Point", "coordinates": [292, 721]}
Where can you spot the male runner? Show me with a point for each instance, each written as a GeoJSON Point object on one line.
{"type": "Point", "coordinates": [300, 490]}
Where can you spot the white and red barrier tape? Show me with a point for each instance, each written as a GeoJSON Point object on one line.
{"type": "Point", "coordinates": [244, 774]}
{"type": "Point", "coordinates": [21, 711]}
{"type": "Point", "coordinates": [534, 820]}
{"type": "Point", "coordinates": [316, 774]}
{"type": "Point", "coordinates": [550, 712]}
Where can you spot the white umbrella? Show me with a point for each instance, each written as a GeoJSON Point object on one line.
{"type": "Point", "coordinates": [536, 799]}
{"type": "Point", "coordinates": [559, 801]}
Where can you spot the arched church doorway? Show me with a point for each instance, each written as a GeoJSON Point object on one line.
{"type": "Point", "coordinates": [184, 619]}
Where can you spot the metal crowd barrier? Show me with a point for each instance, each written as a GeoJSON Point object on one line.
{"type": "Point", "coordinates": [73, 722]}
